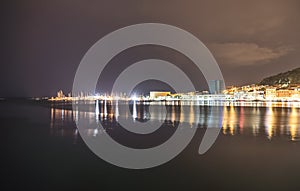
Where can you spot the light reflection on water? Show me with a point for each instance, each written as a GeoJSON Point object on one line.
{"type": "Point", "coordinates": [271, 120]}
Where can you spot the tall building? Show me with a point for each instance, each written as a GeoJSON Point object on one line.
{"type": "Point", "coordinates": [216, 86]}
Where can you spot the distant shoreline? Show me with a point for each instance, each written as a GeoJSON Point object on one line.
{"type": "Point", "coordinates": [217, 103]}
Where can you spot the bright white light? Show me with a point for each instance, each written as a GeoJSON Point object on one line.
{"type": "Point", "coordinates": [95, 132]}
{"type": "Point", "coordinates": [134, 98]}
{"type": "Point", "coordinates": [97, 96]}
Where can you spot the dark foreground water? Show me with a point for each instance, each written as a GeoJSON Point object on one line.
{"type": "Point", "coordinates": [257, 149]}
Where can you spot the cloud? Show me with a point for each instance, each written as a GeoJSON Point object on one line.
{"type": "Point", "coordinates": [246, 53]}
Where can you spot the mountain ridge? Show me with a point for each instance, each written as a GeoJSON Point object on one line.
{"type": "Point", "coordinates": [289, 77]}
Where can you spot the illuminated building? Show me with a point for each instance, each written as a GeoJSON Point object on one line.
{"type": "Point", "coordinates": [156, 94]}
{"type": "Point", "coordinates": [60, 94]}
{"type": "Point", "coordinates": [270, 93]}
{"type": "Point", "coordinates": [285, 93]}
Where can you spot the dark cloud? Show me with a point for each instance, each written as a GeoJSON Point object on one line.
{"type": "Point", "coordinates": [247, 53]}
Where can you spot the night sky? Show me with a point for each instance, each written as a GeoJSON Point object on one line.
{"type": "Point", "coordinates": [43, 41]}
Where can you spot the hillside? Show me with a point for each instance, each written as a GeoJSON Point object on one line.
{"type": "Point", "coordinates": [290, 77]}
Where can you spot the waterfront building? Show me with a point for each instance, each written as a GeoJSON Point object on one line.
{"type": "Point", "coordinates": [156, 94]}
{"type": "Point", "coordinates": [270, 93]}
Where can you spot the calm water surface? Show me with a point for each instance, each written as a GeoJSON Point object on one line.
{"type": "Point", "coordinates": [257, 148]}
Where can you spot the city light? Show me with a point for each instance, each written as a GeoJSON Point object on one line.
{"type": "Point", "coordinates": [246, 94]}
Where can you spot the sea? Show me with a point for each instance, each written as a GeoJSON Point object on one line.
{"type": "Point", "coordinates": [42, 148]}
